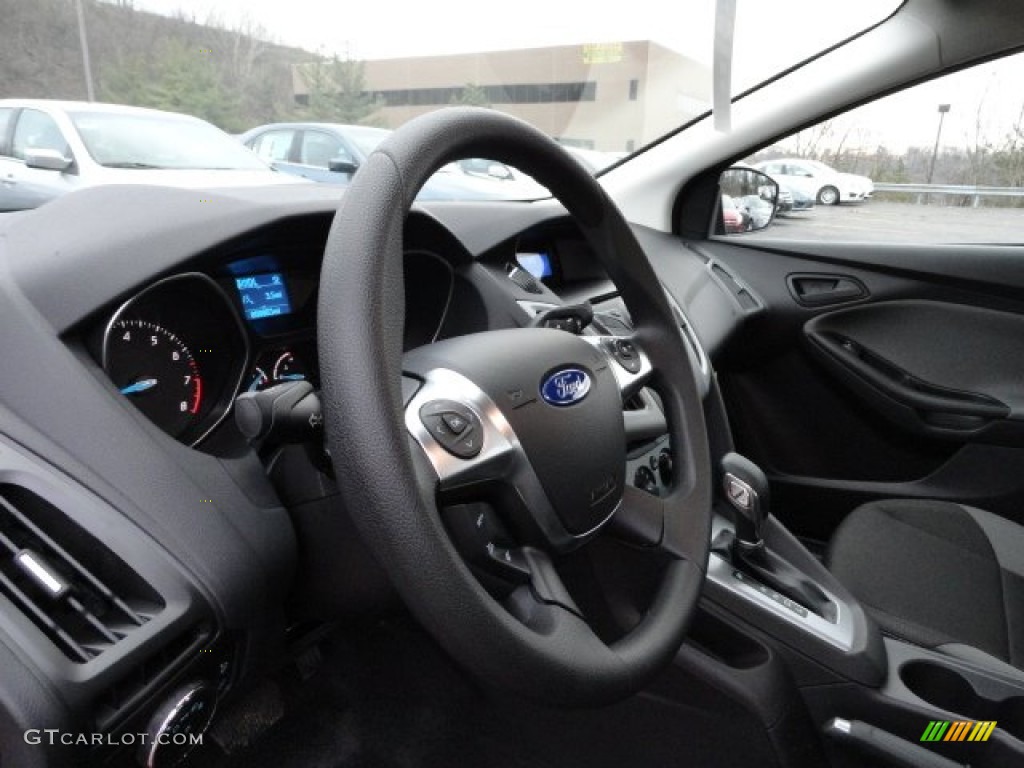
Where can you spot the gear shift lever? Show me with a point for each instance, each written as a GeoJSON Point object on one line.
{"type": "Point", "coordinates": [746, 489]}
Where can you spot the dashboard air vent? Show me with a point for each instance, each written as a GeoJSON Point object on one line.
{"type": "Point", "coordinates": [78, 592]}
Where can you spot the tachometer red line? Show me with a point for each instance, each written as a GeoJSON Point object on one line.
{"type": "Point", "coordinates": [198, 398]}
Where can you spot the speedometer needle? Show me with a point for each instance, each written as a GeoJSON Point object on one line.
{"type": "Point", "coordinates": [139, 386]}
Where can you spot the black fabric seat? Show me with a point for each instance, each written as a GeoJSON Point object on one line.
{"type": "Point", "coordinates": [937, 574]}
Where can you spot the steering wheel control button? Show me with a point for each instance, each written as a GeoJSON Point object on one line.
{"type": "Point", "coordinates": [455, 422]}
{"type": "Point", "coordinates": [454, 426]}
{"type": "Point", "coordinates": [626, 354]}
{"type": "Point", "coordinates": [468, 445]}
{"type": "Point", "coordinates": [483, 541]}
{"type": "Point", "coordinates": [507, 563]}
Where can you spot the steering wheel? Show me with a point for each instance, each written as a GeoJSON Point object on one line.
{"type": "Point", "coordinates": [510, 440]}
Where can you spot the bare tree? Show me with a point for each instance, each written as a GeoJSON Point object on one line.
{"type": "Point", "coordinates": [807, 143]}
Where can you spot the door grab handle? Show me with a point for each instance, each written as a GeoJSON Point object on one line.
{"type": "Point", "coordinates": [817, 290]}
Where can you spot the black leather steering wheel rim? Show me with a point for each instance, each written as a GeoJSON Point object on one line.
{"type": "Point", "coordinates": [386, 482]}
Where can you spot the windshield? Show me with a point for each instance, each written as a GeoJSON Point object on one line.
{"type": "Point", "coordinates": [602, 80]}
{"type": "Point", "coordinates": [120, 140]}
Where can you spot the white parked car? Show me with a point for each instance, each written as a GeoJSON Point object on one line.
{"type": "Point", "coordinates": [49, 148]}
{"type": "Point", "coordinates": [817, 180]}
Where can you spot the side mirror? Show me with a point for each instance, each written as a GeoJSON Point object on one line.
{"type": "Point", "coordinates": [342, 166]}
{"type": "Point", "coordinates": [756, 196]}
{"type": "Point", "coordinates": [46, 159]}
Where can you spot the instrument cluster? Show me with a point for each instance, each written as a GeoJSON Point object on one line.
{"type": "Point", "coordinates": [185, 347]}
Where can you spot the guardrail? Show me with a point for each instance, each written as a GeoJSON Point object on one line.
{"type": "Point", "coordinates": [974, 191]}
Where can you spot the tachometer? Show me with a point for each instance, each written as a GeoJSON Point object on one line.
{"type": "Point", "coordinates": [156, 371]}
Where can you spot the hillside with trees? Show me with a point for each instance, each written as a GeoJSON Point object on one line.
{"type": "Point", "coordinates": [233, 77]}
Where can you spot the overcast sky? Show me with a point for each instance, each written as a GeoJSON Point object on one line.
{"type": "Point", "coordinates": [770, 35]}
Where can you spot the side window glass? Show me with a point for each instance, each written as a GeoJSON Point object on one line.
{"type": "Point", "coordinates": [273, 146]}
{"type": "Point", "coordinates": [319, 148]}
{"type": "Point", "coordinates": [37, 130]}
{"type": "Point", "coordinates": [939, 162]}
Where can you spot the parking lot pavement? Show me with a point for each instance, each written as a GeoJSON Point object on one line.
{"type": "Point", "coordinates": [878, 221]}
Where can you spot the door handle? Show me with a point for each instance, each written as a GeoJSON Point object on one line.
{"type": "Point", "coordinates": [818, 290]}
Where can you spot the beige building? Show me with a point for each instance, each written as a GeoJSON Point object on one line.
{"type": "Point", "coordinates": [608, 96]}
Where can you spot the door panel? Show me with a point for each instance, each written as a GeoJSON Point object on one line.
{"type": "Point", "coordinates": [940, 370]}
{"type": "Point", "coordinates": [915, 388]}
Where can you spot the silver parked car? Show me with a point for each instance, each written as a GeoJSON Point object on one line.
{"type": "Point", "coordinates": [49, 148]}
{"type": "Point", "coordinates": [330, 153]}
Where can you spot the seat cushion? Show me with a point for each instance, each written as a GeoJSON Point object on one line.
{"type": "Point", "coordinates": [935, 573]}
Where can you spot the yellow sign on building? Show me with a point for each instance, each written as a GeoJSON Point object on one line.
{"type": "Point", "coordinates": [602, 53]}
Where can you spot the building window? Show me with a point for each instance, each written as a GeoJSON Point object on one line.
{"type": "Point", "coordinates": [634, 89]}
{"type": "Point", "coordinates": [518, 93]}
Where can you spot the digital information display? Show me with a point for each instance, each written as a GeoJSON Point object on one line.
{"type": "Point", "coordinates": [263, 296]}
{"type": "Point", "coordinates": [537, 264]}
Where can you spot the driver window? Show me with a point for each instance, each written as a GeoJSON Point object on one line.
{"type": "Point", "coordinates": [319, 148]}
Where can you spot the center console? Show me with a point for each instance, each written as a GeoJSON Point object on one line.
{"type": "Point", "coordinates": [780, 635]}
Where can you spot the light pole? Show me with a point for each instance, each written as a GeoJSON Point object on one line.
{"type": "Point", "coordinates": [86, 65]}
{"type": "Point", "coordinates": [943, 109]}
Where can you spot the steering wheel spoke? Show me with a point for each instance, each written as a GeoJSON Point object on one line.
{"type": "Point", "coordinates": [652, 523]}
{"type": "Point", "coordinates": [499, 468]}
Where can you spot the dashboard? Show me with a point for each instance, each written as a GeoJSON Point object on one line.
{"type": "Point", "coordinates": [147, 331]}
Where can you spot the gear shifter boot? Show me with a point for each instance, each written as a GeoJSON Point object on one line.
{"type": "Point", "coordinates": [771, 570]}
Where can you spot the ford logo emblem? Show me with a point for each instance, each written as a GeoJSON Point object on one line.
{"type": "Point", "coordinates": [565, 387]}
